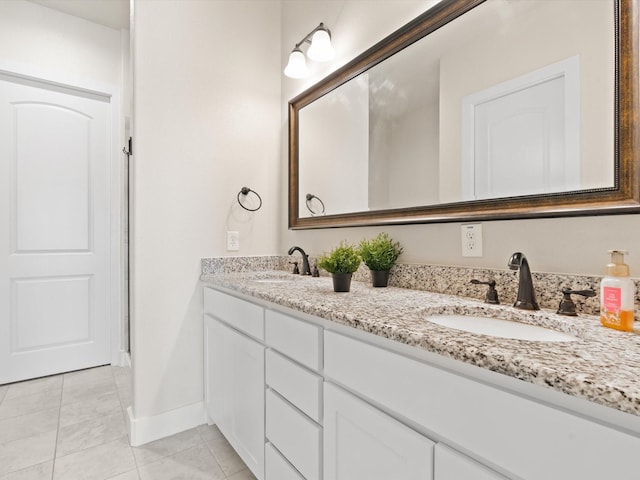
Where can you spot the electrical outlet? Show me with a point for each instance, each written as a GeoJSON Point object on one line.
{"type": "Point", "coordinates": [472, 240]}
{"type": "Point", "coordinates": [233, 241]}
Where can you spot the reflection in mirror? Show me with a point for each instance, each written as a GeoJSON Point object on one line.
{"type": "Point", "coordinates": [315, 205]}
{"type": "Point", "coordinates": [510, 99]}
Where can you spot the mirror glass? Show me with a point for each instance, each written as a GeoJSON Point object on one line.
{"type": "Point", "coordinates": [513, 98]}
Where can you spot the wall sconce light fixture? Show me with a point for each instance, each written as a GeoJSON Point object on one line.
{"type": "Point", "coordinates": [320, 50]}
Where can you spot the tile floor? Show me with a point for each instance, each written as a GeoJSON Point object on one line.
{"type": "Point", "coordinates": [72, 427]}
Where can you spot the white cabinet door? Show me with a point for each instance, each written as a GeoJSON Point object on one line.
{"type": "Point", "coordinates": [452, 465]}
{"type": "Point", "coordinates": [362, 442]}
{"type": "Point", "coordinates": [213, 371]}
{"type": "Point", "coordinates": [235, 391]}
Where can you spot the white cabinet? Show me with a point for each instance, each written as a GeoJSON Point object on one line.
{"type": "Point", "coordinates": [526, 438]}
{"type": "Point", "coordinates": [296, 436]}
{"type": "Point", "coordinates": [298, 385]}
{"type": "Point", "coordinates": [295, 338]}
{"type": "Point", "coordinates": [452, 465]}
{"type": "Point", "coordinates": [303, 402]}
{"type": "Point", "coordinates": [294, 395]}
{"type": "Point", "coordinates": [235, 390]}
{"type": "Point", "coordinates": [361, 442]}
{"type": "Point", "coordinates": [276, 467]}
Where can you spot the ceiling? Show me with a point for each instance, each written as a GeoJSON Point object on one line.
{"type": "Point", "coordinates": [110, 13]}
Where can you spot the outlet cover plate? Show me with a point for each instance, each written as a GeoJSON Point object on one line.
{"type": "Point", "coordinates": [471, 237]}
{"type": "Point", "coordinates": [233, 241]}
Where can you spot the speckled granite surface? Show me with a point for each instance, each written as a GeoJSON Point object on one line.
{"type": "Point", "coordinates": [445, 279]}
{"type": "Point", "coordinates": [602, 365]}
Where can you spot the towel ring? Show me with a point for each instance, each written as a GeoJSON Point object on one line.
{"type": "Point", "coordinates": [244, 191]}
{"type": "Point", "coordinates": [311, 196]}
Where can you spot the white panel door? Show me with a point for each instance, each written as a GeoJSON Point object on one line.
{"type": "Point", "coordinates": [54, 227]}
{"type": "Point", "coordinates": [361, 442]}
{"type": "Point", "coordinates": [522, 136]}
{"type": "Point", "coordinates": [520, 142]}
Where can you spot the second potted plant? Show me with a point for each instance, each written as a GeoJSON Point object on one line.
{"type": "Point", "coordinates": [380, 254]}
{"type": "Point", "coordinates": [341, 262]}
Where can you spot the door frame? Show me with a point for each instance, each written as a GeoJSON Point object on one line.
{"type": "Point", "coordinates": [117, 353]}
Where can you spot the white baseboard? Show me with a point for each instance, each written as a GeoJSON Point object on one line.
{"type": "Point", "coordinates": [125, 359]}
{"type": "Point", "coordinates": [147, 429]}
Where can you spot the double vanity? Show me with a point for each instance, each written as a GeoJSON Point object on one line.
{"type": "Point", "coordinates": [404, 383]}
{"type": "Point", "coordinates": [395, 383]}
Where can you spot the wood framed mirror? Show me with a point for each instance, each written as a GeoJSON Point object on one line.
{"type": "Point", "coordinates": [434, 123]}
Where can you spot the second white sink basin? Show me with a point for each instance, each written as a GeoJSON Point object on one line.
{"type": "Point", "coordinates": [495, 327]}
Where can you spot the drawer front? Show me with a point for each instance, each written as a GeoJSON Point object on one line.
{"type": "Point", "coordinates": [295, 338]}
{"type": "Point", "coordinates": [482, 419]}
{"type": "Point", "coordinates": [294, 435]}
{"type": "Point", "coordinates": [295, 383]}
{"type": "Point", "coordinates": [276, 467]}
{"type": "Point", "coordinates": [240, 314]}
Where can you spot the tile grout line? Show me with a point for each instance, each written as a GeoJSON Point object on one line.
{"type": "Point", "coordinates": [55, 447]}
{"type": "Point", "coordinates": [206, 444]}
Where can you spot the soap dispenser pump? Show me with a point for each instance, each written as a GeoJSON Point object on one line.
{"type": "Point", "coordinates": [616, 294]}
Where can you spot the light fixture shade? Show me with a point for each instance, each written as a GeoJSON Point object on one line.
{"type": "Point", "coordinates": [320, 49]}
{"type": "Point", "coordinates": [297, 66]}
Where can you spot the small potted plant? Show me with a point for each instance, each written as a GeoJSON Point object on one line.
{"type": "Point", "coordinates": [341, 262]}
{"type": "Point", "coordinates": [380, 254]}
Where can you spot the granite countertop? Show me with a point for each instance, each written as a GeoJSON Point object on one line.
{"type": "Point", "coordinates": [602, 365]}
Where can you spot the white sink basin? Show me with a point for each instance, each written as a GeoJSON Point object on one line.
{"type": "Point", "coordinates": [495, 327]}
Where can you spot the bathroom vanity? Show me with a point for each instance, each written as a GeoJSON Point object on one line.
{"type": "Point", "coordinates": [310, 384]}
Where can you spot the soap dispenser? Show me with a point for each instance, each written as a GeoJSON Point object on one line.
{"type": "Point", "coordinates": [616, 294]}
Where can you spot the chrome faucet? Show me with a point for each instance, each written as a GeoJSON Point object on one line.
{"type": "Point", "coordinates": [526, 293]}
{"type": "Point", "coordinates": [306, 270]}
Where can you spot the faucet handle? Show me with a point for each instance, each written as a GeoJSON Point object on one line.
{"type": "Point", "coordinates": [492, 293]}
{"type": "Point", "coordinates": [296, 270]}
{"type": "Point", "coordinates": [567, 306]}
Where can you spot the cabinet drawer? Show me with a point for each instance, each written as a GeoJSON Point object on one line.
{"type": "Point", "coordinates": [480, 418]}
{"type": "Point", "coordinates": [294, 435]}
{"type": "Point", "coordinates": [295, 383]}
{"type": "Point", "coordinates": [276, 467]}
{"type": "Point", "coordinates": [295, 338]}
{"type": "Point", "coordinates": [241, 315]}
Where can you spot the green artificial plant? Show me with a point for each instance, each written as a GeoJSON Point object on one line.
{"type": "Point", "coordinates": [342, 259]}
{"type": "Point", "coordinates": [380, 253]}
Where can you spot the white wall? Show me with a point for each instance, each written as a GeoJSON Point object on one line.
{"type": "Point", "coordinates": [207, 122]}
{"type": "Point", "coordinates": [413, 160]}
{"type": "Point", "coordinates": [568, 245]}
{"type": "Point", "coordinates": [58, 46]}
